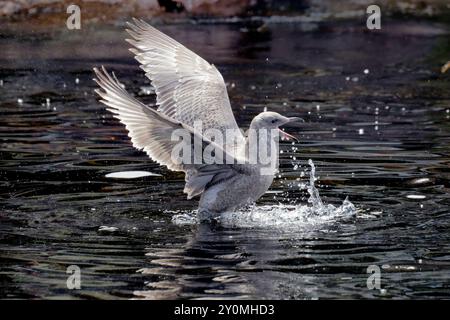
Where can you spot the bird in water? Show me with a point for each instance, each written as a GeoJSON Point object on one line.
{"type": "Point", "coordinates": [189, 91]}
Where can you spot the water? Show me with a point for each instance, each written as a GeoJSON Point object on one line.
{"type": "Point", "coordinates": [281, 216]}
{"type": "Point", "coordinates": [379, 138]}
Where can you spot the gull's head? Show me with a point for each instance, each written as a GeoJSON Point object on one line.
{"type": "Point", "coordinates": [273, 120]}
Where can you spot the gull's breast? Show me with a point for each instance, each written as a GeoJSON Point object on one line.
{"type": "Point", "coordinates": [235, 192]}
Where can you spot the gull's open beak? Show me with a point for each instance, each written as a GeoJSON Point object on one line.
{"type": "Point", "coordinates": [287, 136]}
{"type": "Point", "coordinates": [295, 119]}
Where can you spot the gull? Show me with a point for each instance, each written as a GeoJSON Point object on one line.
{"type": "Point", "coordinates": [189, 90]}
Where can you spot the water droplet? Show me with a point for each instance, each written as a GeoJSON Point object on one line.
{"type": "Point", "coordinates": [146, 91]}
{"type": "Point", "coordinates": [361, 131]}
{"type": "Point", "coordinates": [366, 71]}
{"type": "Point", "coordinates": [19, 101]}
{"type": "Point", "coordinates": [47, 101]}
{"type": "Point", "coordinates": [77, 81]}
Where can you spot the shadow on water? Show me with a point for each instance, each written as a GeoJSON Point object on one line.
{"type": "Point", "coordinates": [380, 137]}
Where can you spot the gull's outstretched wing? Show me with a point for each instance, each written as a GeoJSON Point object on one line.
{"type": "Point", "coordinates": [152, 132]}
{"type": "Point", "coordinates": [188, 88]}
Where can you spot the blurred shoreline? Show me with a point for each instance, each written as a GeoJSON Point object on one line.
{"type": "Point", "coordinates": [54, 13]}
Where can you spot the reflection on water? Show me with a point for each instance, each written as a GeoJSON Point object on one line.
{"type": "Point", "coordinates": [377, 128]}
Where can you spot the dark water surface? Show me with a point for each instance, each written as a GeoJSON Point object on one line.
{"type": "Point", "coordinates": [381, 138]}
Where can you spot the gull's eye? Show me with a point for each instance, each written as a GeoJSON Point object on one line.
{"type": "Point", "coordinates": [274, 120]}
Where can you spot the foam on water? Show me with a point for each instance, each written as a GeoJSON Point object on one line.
{"type": "Point", "coordinates": [131, 174]}
{"type": "Point", "coordinates": [284, 216]}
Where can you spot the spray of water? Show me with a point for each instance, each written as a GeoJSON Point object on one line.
{"type": "Point", "coordinates": [283, 216]}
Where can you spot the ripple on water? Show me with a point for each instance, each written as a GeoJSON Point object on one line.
{"type": "Point", "coordinates": [54, 159]}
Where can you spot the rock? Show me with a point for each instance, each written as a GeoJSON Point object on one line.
{"type": "Point", "coordinates": [9, 8]}
{"type": "Point", "coordinates": [89, 8]}
{"type": "Point", "coordinates": [445, 67]}
{"type": "Point", "coordinates": [222, 8]}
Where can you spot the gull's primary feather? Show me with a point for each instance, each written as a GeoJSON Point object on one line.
{"type": "Point", "coordinates": [188, 88]}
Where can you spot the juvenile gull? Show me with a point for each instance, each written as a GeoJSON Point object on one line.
{"type": "Point", "coordinates": [189, 89]}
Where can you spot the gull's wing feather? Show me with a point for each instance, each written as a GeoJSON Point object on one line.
{"type": "Point", "coordinates": [151, 134]}
{"type": "Point", "coordinates": [188, 88]}
{"type": "Point", "coordinates": [152, 131]}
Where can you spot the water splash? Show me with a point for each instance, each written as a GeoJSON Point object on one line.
{"type": "Point", "coordinates": [283, 216]}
